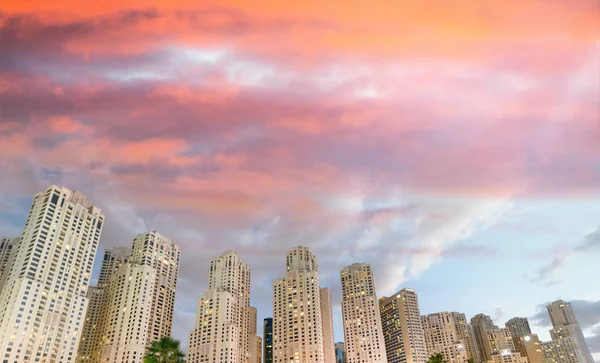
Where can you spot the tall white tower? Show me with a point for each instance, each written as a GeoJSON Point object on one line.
{"type": "Point", "coordinates": [363, 335]}
{"type": "Point", "coordinates": [43, 302]}
{"type": "Point", "coordinates": [8, 245]}
{"type": "Point", "coordinates": [297, 316]}
{"type": "Point", "coordinates": [223, 317]}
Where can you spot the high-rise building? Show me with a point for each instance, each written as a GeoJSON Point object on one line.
{"type": "Point", "coordinates": [464, 330]}
{"type": "Point", "coordinates": [531, 347]}
{"type": "Point", "coordinates": [268, 340]}
{"type": "Point", "coordinates": [403, 328]}
{"type": "Point", "coordinates": [112, 260]}
{"type": "Point", "coordinates": [255, 353]}
{"type": "Point", "coordinates": [297, 316]}
{"type": "Point", "coordinates": [222, 330]}
{"type": "Point", "coordinates": [7, 246]}
{"type": "Point", "coordinates": [138, 302]}
{"type": "Point", "coordinates": [565, 326]}
{"type": "Point", "coordinates": [441, 336]}
{"type": "Point", "coordinates": [481, 323]}
{"type": "Point", "coordinates": [360, 315]}
{"type": "Point", "coordinates": [43, 302]}
{"type": "Point", "coordinates": [340, 352]}
{"type": "Point", "coordinates": [519, 328]}
{"type": "Point", "coordinates": [327, 317]}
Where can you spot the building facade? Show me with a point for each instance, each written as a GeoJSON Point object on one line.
{"type": "Point", "coordinates": [519, 328]}
{"type": "Point", "coordinates": [340, 352]}
{"type": "Point", "coordinates": [138, 300]}
{"type": "Point", "coordinates": [403, 328]}
{"type": "Point", "coordinates": [464, 330]}
{"type": "Point", "coordinates": [531, 348]}
{"type": "Point", "coordinates": [441, 336]}
{"type": "Point", "coordinates": [327, 317]}
{"type": "Point", "coordinates": [363, 335]}
{"type": "Point", "coordinates": [44, 299]}
{"type": "Point", "coordinates": [297, 316]}
{"type": "Point", "coordinates": [268, 340]}
{"type": "Point", "coordinates": [223, 318]}
{"type": "Point", "coordinates": [112, 260]}
{"type": "Point", "coordinates": [7, 246]}
{"type": "Point", "coordinates": [565, 326]}
{"type": "Point", "coordinates": [481, 323]}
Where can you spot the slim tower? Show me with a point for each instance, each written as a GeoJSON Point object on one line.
{"type": "Point", "coordinates": [466, 335]}
{"type": "Point", "coordinates": [297, 316]}
{"type": "Point", "coordinates": [360, 313]}
{"type": "Point", "coordinates": [403, 328]}
{"type": "Point", "coordinates": [566, 334]}
{"type": "Point", "coordinates": [223, 327]}
{"type": "Point", "coordinates": [7, 246]}
{"type": "Point", "coordinates": [481, 323]}
{"type": "Point", "coordinates": [268, 340]}
{"type": "Point", "coordinates": [43, 301]}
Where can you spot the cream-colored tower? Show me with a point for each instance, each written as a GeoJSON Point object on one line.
{"type": "Point", "coordinates": [112, 260]}
{"type": "Point", "coordinates": [531, 348]}
{"type": "Point", "coordinates": [441, 336]}
{"type": "Point", "coordinates": [255, 341]}
{"type": "Point", "coordinates": [360, 314]}
{"type": "Point", "coordinates": [43, 302]}
{"type": "Point", "coordinates": [565, 325]}
{"type": "Point", "coordinates": [297, 317]}
{"type": "Point", "coordinates": [139, 301]}
{"type": "Point", "coordinates": [466, 335]}
{"type": "Point", "coordinates": [327, 317]}
{"type": "Point", "coordinates": [223, 317]}
{"type": "Point", "coordinates": [7, 246]}
{"type": "Point", "coordinates": [403, 328]}
{"type": "Point", "coordinates": [482, 323]}
{"type": "Point", "coordinates": [498, 342]}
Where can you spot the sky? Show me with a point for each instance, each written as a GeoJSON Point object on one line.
{"type": "Point", "coordinates": [455, 146]}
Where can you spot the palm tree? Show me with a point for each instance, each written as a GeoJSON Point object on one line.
{"type": "Point", "coordinates": [165, 350]}
{"type": "Point", "coordinates": [470, 360]}
{"type": "Point", "coordinates": [436, 358]}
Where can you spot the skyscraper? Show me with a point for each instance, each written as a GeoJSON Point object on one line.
{"type": "Point", "coordinates": [360, 314]}
{"type": "Point", "coordinates": [531, 347]}
{"type": "Point", "coordinates": [297, 316]}
{"type": "Point", "coordinates": [223, 327]}
{"type": "Point", "coordinates": [498, 342]}
{"type": "Point", "coordinates": [481, 323]}
{"type": "Point", "coordinates": [255, 353]}
{"type": "Point", "coordinates": [441, 336]}
{"type": "Point", "coordinates": [403, 328]}
{"type": "Point", "coordinates": [7, 246]}
{"type": "Point", "coordinates": [138, 302]}
{"type": "Point", "coordinates": [466, 335]}
{"type": "Point", "coordinates": [519, 328]}
{"type": "Point", "coordinates": [566, 333]}
{"type": "Point", "coordinates": [327, 317]}
{"type": "Point", "coordinates": [268, 340]}
{"type": "Point", "coordinates": [43, 301]}
{"type": "Point", "coordinates": [340, 352]}
{"type": "Point", "coordinates": [111, 261]}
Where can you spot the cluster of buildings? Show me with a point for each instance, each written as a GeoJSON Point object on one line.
{"type": "Point", "coordinates": [49, 313]}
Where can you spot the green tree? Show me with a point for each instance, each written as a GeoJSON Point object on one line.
{"type": "Point", "coordinates": [470, 360]}
{"type": "Point", "coordinates": [165, 350]}
{"type": "Point", "coordinates": [436, 358]}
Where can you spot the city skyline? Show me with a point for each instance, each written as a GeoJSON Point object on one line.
{"type": "Point", "coordinates": [519, 324]}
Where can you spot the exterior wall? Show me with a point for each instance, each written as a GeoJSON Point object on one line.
{"type": "Point", "coordinates": [327, 317]}
{"type": "Point", "coordinates": [127, 314]}
{"type": "Point", "coordinates": [442, 337]}
{"type": "Point", "coordinates": [297, 319]}
{"type": "Point", "coordinates": [43, 301]}
{"type": "Point", "coordinates": [7, 246]}
{"type": "Point", "coordinates": [268, 340]}
{"type": "Point", "coordinates": [403, 328]}
{"type": "Point", "coordinates": [465, 333]}
{"type": "Point", "coordinates": [112, 260]}
{"type": "Point", "coordinates": [565, 325]}
{"type": "Point", "coordinates": [363, 335]}
{"type": "Point", "coordinates": [340, 352]}
{"type": "Point", "coordinates": [481, 323]}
